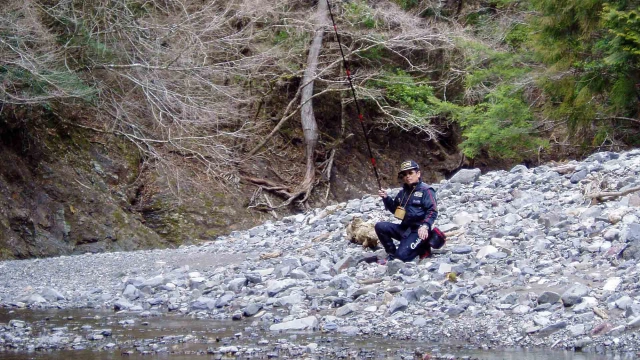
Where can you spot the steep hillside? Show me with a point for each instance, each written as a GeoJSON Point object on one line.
{"type": "Point", "coordinates": [67, 190]}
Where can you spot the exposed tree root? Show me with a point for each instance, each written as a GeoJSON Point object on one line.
{"type": "Point", "coordinates": [327, 173]}
{"type": "Point", "coordinates": [289, 195]}
{"type": "Point", "coordinates": [282, 191]}
{"type": "Point", "coordinates": [278, 189]}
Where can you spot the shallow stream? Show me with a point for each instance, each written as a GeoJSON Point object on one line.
{"type": "Point", "coordinates": [184, 338]}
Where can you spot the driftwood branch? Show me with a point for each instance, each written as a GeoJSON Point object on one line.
{"type": "Point", "coordinates": [612, 194]}
{"type": "Point", "coordinates": [564, 169]}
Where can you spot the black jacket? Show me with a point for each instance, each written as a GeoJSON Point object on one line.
{"type": "Point", "coordinates": [421, 208]}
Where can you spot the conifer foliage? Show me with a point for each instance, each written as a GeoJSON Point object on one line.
{"type": "Point", "coordinates": [589, 49]}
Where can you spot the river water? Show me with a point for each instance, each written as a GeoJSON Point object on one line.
{"type": "Point", "coordinates": [130, 334]}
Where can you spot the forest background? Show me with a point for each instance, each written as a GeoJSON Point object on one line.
{"type": "Point", "coordinates": [129, 124]}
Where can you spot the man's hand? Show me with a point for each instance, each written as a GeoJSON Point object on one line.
{"type": "Point", "coordinates": [382, 193]}
{"type": "Point", "coordinates": [423, 232]}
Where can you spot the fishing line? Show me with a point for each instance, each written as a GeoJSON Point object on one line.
{"type": "Point", "coordinates": [355, 99]}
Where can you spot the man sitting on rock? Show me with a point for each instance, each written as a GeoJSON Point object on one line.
{"type": "Point", "coordinates": [416, 207]}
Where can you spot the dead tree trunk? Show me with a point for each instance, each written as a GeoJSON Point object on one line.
{"type": "Point", "coordinates": [309, 125]}
{"type": "Point", "coordinates": [308, 119]}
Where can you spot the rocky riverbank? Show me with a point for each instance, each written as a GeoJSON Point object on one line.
{"type": "Point", "coordinates": [531, 261]}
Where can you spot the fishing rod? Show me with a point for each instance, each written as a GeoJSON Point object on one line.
{"type": "Point", "coordinates": [355, 99]}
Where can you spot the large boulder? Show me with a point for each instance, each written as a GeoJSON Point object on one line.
{"type": "Point", "coordinates": [465, 176]}
{"type": "Point", "coordinates": [631, 236]}
{"type": "Point", "coordinates": [575, 294]}
{"type": "Point", "coordinates": [548, 297]}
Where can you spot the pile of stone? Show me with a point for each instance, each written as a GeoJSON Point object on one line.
{"type": "Point", "coordinates": [544, 257]}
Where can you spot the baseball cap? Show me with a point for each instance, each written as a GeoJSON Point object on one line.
{"type": "Point", "coordinates": [408, 165]}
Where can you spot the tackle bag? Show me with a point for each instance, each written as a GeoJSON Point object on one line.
{"type": "Point", "coordinates": [437, 238]}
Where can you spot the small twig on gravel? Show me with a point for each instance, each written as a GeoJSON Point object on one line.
{"type": "Point", "coordinates": [370, 281]}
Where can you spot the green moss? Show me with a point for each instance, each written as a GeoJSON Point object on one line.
{"type": "Point", "coordinates": [119, 218]}
{"type": "Point", "coordinates": [67, 145]}
{"type": "Point", "coordinates": [6, 254]}
{"type": "Point", "coordinates": [132, 158]}
{"type": "Point", "coordinates": [212, 233]}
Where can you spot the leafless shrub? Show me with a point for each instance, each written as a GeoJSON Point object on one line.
{"type": "Point", "coordinates": [189, 82]}
{"type": "Point", "coordinates": [169, 75]}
